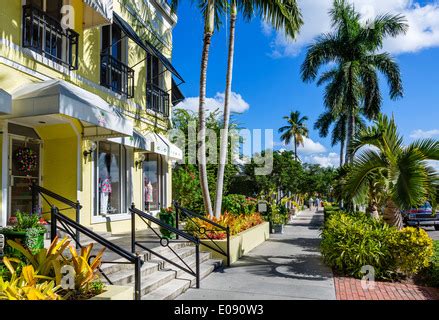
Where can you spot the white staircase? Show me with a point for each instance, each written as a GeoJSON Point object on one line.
{"type": "Point", "coordinates": [161, 280]}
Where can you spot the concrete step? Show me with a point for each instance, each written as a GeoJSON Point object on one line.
{"type": "Point", "coordinates": [125, 276]}
{"type": "Point", "coordinates": [181, 283]}
{"type": "Point", "coordinates": [183, 249]}
{"type": "Point", "coordinates": [162, 277]}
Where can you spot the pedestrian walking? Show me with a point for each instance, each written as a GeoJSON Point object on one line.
{"type": "Point", "coordinates": [311, 203]}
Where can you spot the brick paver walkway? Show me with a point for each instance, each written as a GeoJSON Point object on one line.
{"type": "Point", "coordinates": [350, 289]}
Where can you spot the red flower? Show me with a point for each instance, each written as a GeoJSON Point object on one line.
{"type": "Point", "coordinates": [43, 222]}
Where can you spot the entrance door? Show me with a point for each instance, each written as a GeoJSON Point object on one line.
{"type": "Point", "coordinates": [25, 169]}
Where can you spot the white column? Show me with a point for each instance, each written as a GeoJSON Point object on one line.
{"type": "Point", "coordinates": [5, 175]}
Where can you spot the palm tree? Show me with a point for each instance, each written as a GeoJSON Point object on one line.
{"type": "Point", "coordinates": [211, 10]}
{"type": "Point", "coordinates": [339, 130]}
{"type": "Point", "coordinates": [353, 47]}
{"type": "Point", "coordinates": [296, 130]}
{"type": "Point", "coordinates": [283, 15]}
{"type": "Point", "coordinates": [399, 174]}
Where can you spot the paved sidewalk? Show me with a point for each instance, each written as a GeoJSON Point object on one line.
{"type": "Point", "coordinates": [351, 289]}
{"type": "Point", "coordinates": [286, 267]}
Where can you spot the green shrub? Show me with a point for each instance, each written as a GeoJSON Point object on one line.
{"type": "Point", "coordinates": [412, 249]}
{"type": "Point", "coordinates": [353, 240]}
{"type": "Point", "coordinates": [239, 204]}
{"type": "Point", "coordinates": [430, 274]}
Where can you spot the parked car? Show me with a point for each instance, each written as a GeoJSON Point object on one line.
{"type": "Point", "coordinates": [422, 216]}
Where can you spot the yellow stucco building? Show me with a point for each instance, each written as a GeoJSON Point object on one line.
{"type": "Point", "coordinates": [86, 89]}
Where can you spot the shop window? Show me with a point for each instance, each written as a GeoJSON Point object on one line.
{"type": "Point", "coordinates": [154, 183]}
{"type": "Point", "coordinates": [113, 178]}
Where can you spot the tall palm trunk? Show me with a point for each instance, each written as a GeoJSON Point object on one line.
{"type": "Point", "coordinates": [341, 152]}
{"type": "Point", "coordinates": [225, 132]}
{"type": "Point", "coordinates": [392, 215]}
{"type": "Point", "coordinates": [295, 147]}
{"type": "Point", "coordinates": [202, 162]}
{"type": "Point", "coordinates": [351, 130]}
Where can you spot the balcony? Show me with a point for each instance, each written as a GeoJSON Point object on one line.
{"type": "Point", "coordinates": [157, 99]}
{"type": "Point", "coordinates": [117, 76]}
{"type": "Point", "coordinates": [45, 35]}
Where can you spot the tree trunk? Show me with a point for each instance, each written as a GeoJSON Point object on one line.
{"type": "Point", "coordinates": [341, 152]}
{"type": "Point", "coordinates": [351, 130]}
{"type": "Point", "coordinates": [295, 147]}
{"type": "Point", "coordinates": [373, 210]}
{"type": "Point", "coordinates": [202, 164]}
{"type": "Point", "coordinates": [392, 215]}
{"type": "Point", "coordinates": [225, 133]}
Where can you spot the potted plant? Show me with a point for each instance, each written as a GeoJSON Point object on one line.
{"type": "Point", "coordinates": [277, 222]}
{"type": "Point", "coordinates": [168, 217]}
{"type": "Point", "coordinates": [27, 229]}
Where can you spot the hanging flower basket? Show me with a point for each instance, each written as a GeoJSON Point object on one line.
{"type": "Point", "coordinates": [26, 160]}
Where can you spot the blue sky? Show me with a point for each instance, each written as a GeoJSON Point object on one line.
{"type": "Point", "coordinates": [266, 77]}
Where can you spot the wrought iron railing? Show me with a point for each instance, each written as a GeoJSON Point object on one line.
{"type": "Point", "coordinates": [45, 35]}
{"type": "Point", "coordinates": [117, 76]}
{"type": "Point", "coordinates": [68, 226]}
{"type": "Point", "coordinates": [165, 242]}
{"type": "Point", "coordinates": [207, 234]}
{"type": "Point", "coordinates": [47, 196]}
{"type": "Point", "coordinates": [157, 99]}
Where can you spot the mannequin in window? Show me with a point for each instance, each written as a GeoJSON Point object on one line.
{"type": "Point", "coordinates": [105, 186]}
{"type": "Point", "coordinates": [148, 194]}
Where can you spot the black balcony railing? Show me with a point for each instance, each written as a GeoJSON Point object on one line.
{"type": "Point", "coordinates": [157, 99]}
{"type": "Point", "coordinates": [45, 35]}
{"type": "Point", "coordinates": [117, 76]}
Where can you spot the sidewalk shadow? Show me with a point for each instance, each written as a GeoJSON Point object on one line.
{"type": "Point", "coordinates": [301, 267]}
{"type": "Point", "coordinates": [307, 244]}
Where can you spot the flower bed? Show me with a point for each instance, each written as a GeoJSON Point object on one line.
{"type": "Point", "coordinates": [236, 223]}
{"type": "Point", "coordinates": [241, 243]}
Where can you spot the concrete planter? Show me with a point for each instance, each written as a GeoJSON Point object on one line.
{"type": "Point", "coordinates": [241, 243]}
{"type": "Point", "coordinates": [278, 228]}
{"type": "Point", "coordinates": [116, 293]}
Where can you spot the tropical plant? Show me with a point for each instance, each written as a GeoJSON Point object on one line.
{"type": "Point", "coordinates": [351, 241]}
{"type": "Point", "coordinates": [239, 204]}
{"type": "Point", "coordinates": [295, 131]}
{"type": "Point", "coordinates": [27, 286]}
{"type": "Point", "coordinates": [353, 84]}
{"type": "Point", "coordinates": [283, 15]}
{"type": "Point", "coordinates": [85, 271]}
{"type": "Point", "coordinates": [46, 260]}
{"type": "Point", "coordinates": [402, 173]}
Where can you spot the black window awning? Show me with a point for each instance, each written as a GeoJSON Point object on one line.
{"type": "Point", "coordinates": [177, 95]}
{"type": "Point", "coordinates": [148, 47]}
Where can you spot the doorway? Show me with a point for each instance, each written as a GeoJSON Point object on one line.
{"type": "Point", "coordinates": [24, 168]}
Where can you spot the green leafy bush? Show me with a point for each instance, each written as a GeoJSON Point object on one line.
{"type": "Point", "coordinates": [239, 204]}
{"type": "Point", "coordinates": [430, 275]}
{"type": "Point", "coordinates": [412, 249]}
{"type": "Point", "coordinates": [351, 241]}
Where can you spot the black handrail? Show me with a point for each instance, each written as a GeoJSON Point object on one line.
{"type": "Point", "coordinates": [38, 190]}
{"type": "Point", "coordinates": [131, 258]}
{"type": "Point", "coordinates": [164, 242]}
{"type": "Point", "coordinates": [202, 230]}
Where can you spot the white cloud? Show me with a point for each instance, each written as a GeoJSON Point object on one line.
{"type": "Point", "coordinates": [237, 103]}
{"type": "Point", "coordinates": [421, 134]}
{"type": "Point", "coordinates": [267, 29]}
{"type": "Point", "coordinates": [423, 23]}
{"type": "Point", "coordinates": [434, 164]}
{"type": "Point", "coordinates": [309, 147]}
{"type": "Point", "coordinates": [329, 160]}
